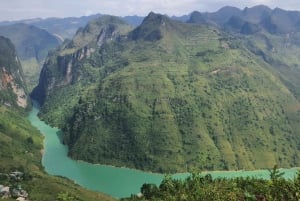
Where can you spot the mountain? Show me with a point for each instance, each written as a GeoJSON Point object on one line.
{"type": "Point", "coordinates": [32, 46]}
{"type": "Point", "coordinates": [169, 96]}
{"type": "Point", "coordinates": [61, 27]}
{"type": "Point", "coordinates": [66, 28]}
{"type": "Point", "coordinates": [256, 13]}
{"type": "Point", "coordinates": [281, 21]}
{"type": "Point", "coordinates": [13, 92]}
{"type": "Point", "coordinates": [69, 56]}
{"type": "Point", "coordinates": [196, 17]}
{"type": "Point", "coordinates": [239, 25]}
{"type": "Point", "coordinates": [221, 16]}
{"type": "Point", "coordinates": [257, 18]}
{"type": "Point", "coordinates": [152, 28]}
{"type": "Point", "coordinates": [21, 143]}
{"type": "Point", "coordinates": [182, 18]}
{"type": "Point", "coordinates": [134, 20]}
{"type": "Point", "coordinates": [30, 41]}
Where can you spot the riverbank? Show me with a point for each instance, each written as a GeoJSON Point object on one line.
{"type": "Point", "coordinates": [116, 181]}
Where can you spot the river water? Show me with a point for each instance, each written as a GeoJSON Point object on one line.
{"type": "Point", "coordinates": [117, 182]}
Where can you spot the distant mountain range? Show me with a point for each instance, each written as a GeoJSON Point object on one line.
{"type": "Point", "coordinates": [257, 17]}
{"type": "Point", "coordinates": [30, 41]}
{"type": "Point", "coordinates": [66, 27]}
{"type": "Point", "coordinates": [272, 19]}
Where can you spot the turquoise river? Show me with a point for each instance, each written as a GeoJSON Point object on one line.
{"type": "Point", "coordinates": [117, 182]}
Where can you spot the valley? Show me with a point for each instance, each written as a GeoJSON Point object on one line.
{"type": "Point", "coordinates": [22, 175]}
{"type": "Point", "coordinates": [118, 182]}
{"type": "Point", "coordinates": [126, 100]}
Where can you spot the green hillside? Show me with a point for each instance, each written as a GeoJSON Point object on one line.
{"type": "Point", "coordinates": [21, 147]}
{"type": "Point", "coordinates": [170, 97]}
{"type": "Point", "coordinates": [21, 144]}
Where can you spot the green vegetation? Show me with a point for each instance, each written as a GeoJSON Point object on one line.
{"type": "Point", "coordinates": [170, 97]}
{"type": "Point", "coordinates": [21, 143]}
{"type": "Point", "coordinates": [21, 147]}
{"type": "Point", "coordinates": [198, 187]}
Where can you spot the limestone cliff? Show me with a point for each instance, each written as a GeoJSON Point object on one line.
{"type": "Point", "coordinates": [12, 85]}
{"type": "Point", "coordinates": [69, 57]}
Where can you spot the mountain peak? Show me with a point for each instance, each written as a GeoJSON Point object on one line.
{"type": "Point", "coordinates": [196, 17]}
{"type": "Point", "coordinates": [229, 9]}
{"type": "Point", "coordinates": [154, 19]}
{"type": "Point", "coordinates": [102, 28]}
{"type": "Point", "coordinates": [153, 15]}
{"type": "Point", "coordinates": [151, 28]}
{"type": "Point", "coordinates": [259, 7]}
{"type": "Point", "coordinates": [224, 14]}
{"type": "Point", "coordinates": [257, 11]}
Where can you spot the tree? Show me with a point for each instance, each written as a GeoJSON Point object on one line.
{"type": "Point", "coordinates": [66, 196]}
{"type": "Point", "coordinates": [275, 174]}
{"type": "Point", "coordinates": [149, 190]}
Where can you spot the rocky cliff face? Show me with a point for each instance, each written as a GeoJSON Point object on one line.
{"type": "Point", "coordinates": [12, 85]}
{"type": "Point", "coordinates": [32, 45]}
{"type": "Point", "coordinates": [62, 67]}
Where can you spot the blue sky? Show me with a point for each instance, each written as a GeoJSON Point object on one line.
{"type": "Point", "coordinates": [25, 9]}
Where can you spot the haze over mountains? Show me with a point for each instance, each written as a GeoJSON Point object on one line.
{"type": "Point", "coordinates": [32, 45]}
{"type": "Point", "coordinates": [65, 28]}
{"type": "Point", "coordinates": [218, 92]}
